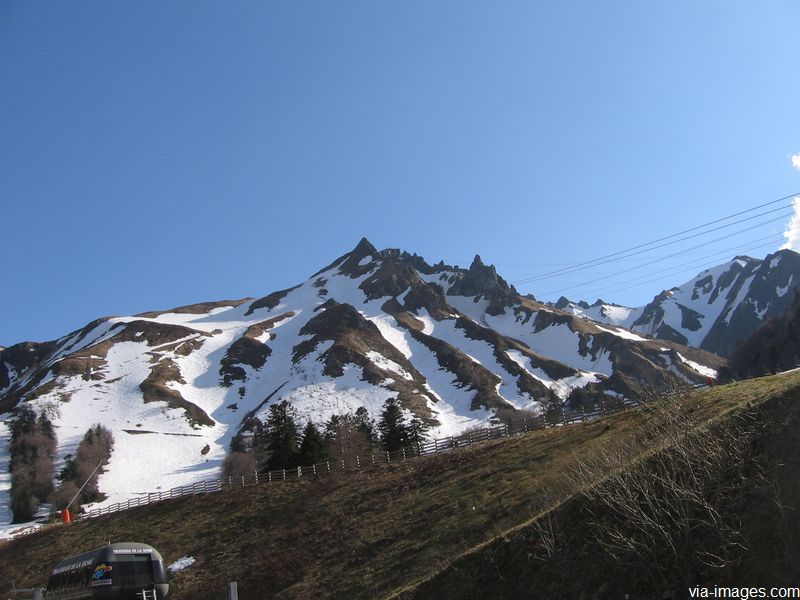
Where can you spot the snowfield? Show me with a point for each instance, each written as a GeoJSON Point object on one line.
{"type": "Point", "coordinates": [158, 448]}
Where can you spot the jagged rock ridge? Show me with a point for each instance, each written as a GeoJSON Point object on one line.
{"type": "Point", "coordinates": [716, 310]}
{"type": "Point", "coordinates": [458, 347]}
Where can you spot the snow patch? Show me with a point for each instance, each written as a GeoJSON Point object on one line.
{"type": "Point", "coordinates": [380, 361]}
{"type": "Point", "coordinates": [561, 387]}
{"type": "Point", "coordinates": [781, 291]}
{"type": "Point", "coordinates": [184, 562]}
{"type": "Point", "coordinates": [623, 333]}
{"type": "Point", "coordinates": [428, 324]}
{"type": "Point", "coordinates": [392, 333]}
{"type": "Point", "coordinates": [5, 476]}
{"type": "Point", "coordinates": [697, 367]}
{"type": "Point", "coordinates": [557, 342]}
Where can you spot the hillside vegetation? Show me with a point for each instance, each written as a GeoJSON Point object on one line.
{"type": "Point", "coordinates": [686, 490]}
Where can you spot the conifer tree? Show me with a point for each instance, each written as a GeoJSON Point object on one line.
{"type": "Point", "coordinates": [313, 448]}
{"type": "Point", "coordinates": [417, 432]}
{"type": "Point", "coordinates": [365, 423]}
{"type": "Point", "coordinates": [32, 449]}
{"type": "Point", "coordinates": [392, 426]}
{"type": "Point", "coordinates": [282, 436]}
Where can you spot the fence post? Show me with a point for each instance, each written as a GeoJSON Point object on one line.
{"type": "Point", "coordinates": [233, 591]}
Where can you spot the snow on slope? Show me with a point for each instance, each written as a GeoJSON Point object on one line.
{"type": "Point", "coordinates": [5, 476]}
{"type": "Point", "coordinates": [714, 309]}
{"type": "Point", "coordinates": [558, 342]}
{"type": "Point", "coordinates": [561, 387]}
{"type": "Point", "coordinates": [157, 447]}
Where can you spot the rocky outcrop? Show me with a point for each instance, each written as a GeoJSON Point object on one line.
{"type": "Point", "coordinates": [482, 280]}
{"type": "Point", "coordinates": [155, 388]}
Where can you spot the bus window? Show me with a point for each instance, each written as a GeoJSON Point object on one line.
{"type": "Point", "coordinates": [134, 571]}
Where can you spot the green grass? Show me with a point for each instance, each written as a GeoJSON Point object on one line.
{"type": "Point", "coordinates": [370, 534]}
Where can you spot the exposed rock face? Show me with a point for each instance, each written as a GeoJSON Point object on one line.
{"type": "Point", "coordinates": [270, 301]}
{"type": "Point", "coordinates": [200, 308]}
{"type": "Point", "coordinates": [775, 346]}
{"type": "Point", "coordinates": [155, 388]}
{"type": "Point", "coordinates": [717, 309]}
{"type": "Point", "coordinates": [482, 280]}
{"type": "Point", "coordinates": [458, 348]}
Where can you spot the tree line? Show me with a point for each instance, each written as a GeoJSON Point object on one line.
{"type": "Point", "coordinates": [279, 442]}
{"type": "Point", "coordinates": [32, 466]}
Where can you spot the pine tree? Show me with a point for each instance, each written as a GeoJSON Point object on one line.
{"type": "Point", "coordinates": [32, 449]}
{"type": "Point", "coordinates": [365, 423]}
{"type": "Point", "coordinates": [282, 437]}
{"type": "Point", "coordinates": [313, 448]}
{"type": "Point", "coordinates": [392, 426]}
{"type": "Point", "coordinates": [417, 432]}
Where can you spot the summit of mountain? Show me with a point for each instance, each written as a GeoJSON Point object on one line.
{"type": "Point", "coordinates": [458, 348]}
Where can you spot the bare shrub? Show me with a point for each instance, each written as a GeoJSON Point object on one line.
{"type": "Point", "coordinates": [347, 437]}
{"type": "Point", "coordinates": [665, 513]}
{"type": "Point", "coordinates": [237, 464]}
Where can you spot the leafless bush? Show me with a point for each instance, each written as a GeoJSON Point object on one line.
{"type": "Point", "coordinates": [237, 464]}
{"type": "Point", "coordinates": [667, 512]}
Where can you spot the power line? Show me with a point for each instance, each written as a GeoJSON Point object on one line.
{"type": "Point", "coordinates": [651, 277]}
{"type": "Point", "coordinates": [599, 262]}
{"type": "Point", "coordinates": [778, 218]}
{"type": "Point", "coordinates": [642, 248]}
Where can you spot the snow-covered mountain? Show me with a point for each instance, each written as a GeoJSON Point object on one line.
{"type": "Point", "coordinates": [458, 347]}
{"type": "Point", "coordinates": [713, 311]}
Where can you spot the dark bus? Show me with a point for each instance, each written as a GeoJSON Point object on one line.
{"type": "Point", "coordinates": [126, 571]}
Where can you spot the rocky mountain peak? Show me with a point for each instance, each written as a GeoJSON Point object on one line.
{"type": "Point", "coordinates": [363, 249]}
{"type": "Point", "coordinates": [480, 279]}
{"type": "Point", "coordinates": [562, 303]}
{"type": "Point", "coordinates": [373, 325]}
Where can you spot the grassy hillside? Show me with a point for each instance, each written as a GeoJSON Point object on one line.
{"type": "Point", "coordinates": [496, 521]}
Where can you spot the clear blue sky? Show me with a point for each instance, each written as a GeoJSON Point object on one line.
{"type": "Point", "coordinates": [157, 153]}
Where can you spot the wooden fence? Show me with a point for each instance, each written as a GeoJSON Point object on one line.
{"type": "Point", "coordinates": [437, 446]}
{"type": "Point", "coordinates": [476, 436]}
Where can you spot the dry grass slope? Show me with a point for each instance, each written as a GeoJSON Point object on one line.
{"type": "Point", "coordinates": [466, 524]}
